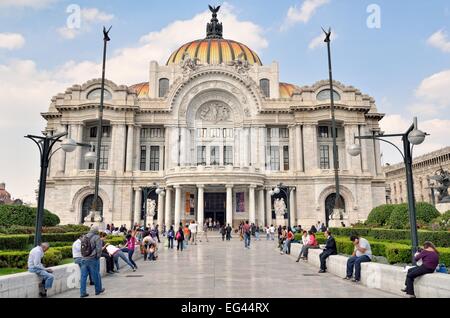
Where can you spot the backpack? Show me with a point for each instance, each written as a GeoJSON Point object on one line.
{"type": "Point", "coordinates": [178, 237]}
{"type": "Point", "coordinates": [86, 246]}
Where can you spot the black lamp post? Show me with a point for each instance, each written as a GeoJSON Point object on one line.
{"type": "Point", "coordinates": [413, 136]}
{"type": "Point", "coordinates": [337, 201]}
{"type": "Point", "coordinates": [146, 192]}
{"type": "Point", "coordinates": [280, 188]}
{"type": "Point", "coordinates": [45, 144]}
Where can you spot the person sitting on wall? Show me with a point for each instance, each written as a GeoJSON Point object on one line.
{"type": "Point", "coordinates": [330, 249]}
{"type": "Point", "coordinates": [311, 243]}
{"type": "Point", "coordinates": [35, 266]}
{"type": "Point", "coordinates": [362, 253]}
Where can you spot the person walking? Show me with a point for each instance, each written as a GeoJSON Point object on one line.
{"type": "Point", "coordinates": [180, 238]}
{"type": "Point", "coordinates": [282, 239]}
{"type": "Point", "coordinates": [223, 232]}
{"type": "Point", "coordinates": [91, 251]}
{"type": "Point", "coordinates": [267, 233]}
{"type": "Point", "coordinates": [77, 257]}
{"type": "Point", "coordinates": [157, 232]}
{"type": "Point", "coordinates": [330, 249]}
{"type": "Point", "coordinates": [228, 231]}
{"type": "Point", "coordinates": [170, 237]}
{"type": "Point", "coordinates": [362, 253]}
{"type": "Point", "coordinates": [430, 260]}
{"type": "Point", "coordinates": [187, 235]}
{"type": "Point", "coordinates": [205, 232]}
{"type": "Point", "coordinates": [247, 234]}
{"type": "Point", "coordinates": [272, 232]}
{"type": "Point", "coordinates": [35, 266]}
{"type": "Point", "coordinates": [130, 246]}
{"type": "Point", "coordinates": [193, 229]}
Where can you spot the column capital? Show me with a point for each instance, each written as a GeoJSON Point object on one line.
{"type": "Point", "coordinates": [252, 186]}
{"type": "Point", "coordinates": [200, 186]}
{"type": "Point", "coordinates": [137, 188]}
{"type": "Point", "coordinates": [177, 186]}
{"type": "Point", "coordinates": [229, 186]}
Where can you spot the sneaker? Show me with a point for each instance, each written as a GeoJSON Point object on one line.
{"type": "Point", "coordinates": [347, 278]}
{"type": "Point", "coordinates": [281, 253]}
{"type": "Point", "coordinates": [355, 280]}
{"type": "Point", "coordinates": [322, 271]}
{"type": "Point", "coordinates": [403, 290]}
{"type": "Point", "coordinates": [103, 290]}
{"type": "Point", "coordinates": [43, 294]}
{"type": "Point", "coordinates": [298, 260]}
{"type": "Point", "coordinates": [410, 296]}
{"type": "Point", "coordinates": [84, 295]}
{"type": "Point", "coordinates": [134, 269]}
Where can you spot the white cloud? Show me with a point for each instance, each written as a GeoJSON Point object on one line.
{"type": "Point", "coordinates": [439, 130]}
{"type": "Point", "coordinates": [35, 4]}
{"type": "Point", "coordinates": [440, 40]}
{"type": "Point", "coordinates": [88, 17]}
{"type": "Point", "coordinates": [303, 13]}
{"type": "Point", "coordinates": [11, 41]}
{"type": "Point", "coordinates": [319, 41]}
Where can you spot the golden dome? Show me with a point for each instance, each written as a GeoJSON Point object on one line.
{"type": "Point", "coordinates": [287, 90]}
{"type": "Point", "coordinates": [140, 89]}
{"type": "Point", "coordinates": [214, 49]}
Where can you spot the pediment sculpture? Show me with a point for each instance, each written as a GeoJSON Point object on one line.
{"type": "Point", "coordinates": [215, 112]}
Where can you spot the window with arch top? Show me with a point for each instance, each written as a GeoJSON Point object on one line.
{"type": "Point", "coordinates": [325, 95]}
{"type": "Point", "coordinates": [163, 87]}
{"type": "Point", "coordinates": [265, 87]}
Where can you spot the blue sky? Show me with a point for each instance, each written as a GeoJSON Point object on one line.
{"type": "Point", "coordinates": [397, 64]}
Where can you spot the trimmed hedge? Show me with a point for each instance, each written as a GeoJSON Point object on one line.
{"type": "Point", "coordinates": [24, 216]}
{"type": "Point", "coordinates": [18, 229]}
{"type": "Point", "coordinates": [23, 242]}
{"type": "Point", "coordinates": [380, 215]}
{"type": "Point", "coordinates": [399, 219]}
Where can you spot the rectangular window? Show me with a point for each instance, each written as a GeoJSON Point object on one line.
{"type": "Point", "coordinates": [201, 155]}
{"type": "Point", "coordinates": [286, 157]}
{"type": "Point", "coordinates": [274, 158]}
{"type": "Point", "coordinates": [143, 160]}
{"type": "Point", "coordinates": [228, 155]}
{"type": "Point", "coordinates": [284, 133]}
{"type": "Point", "coordinates": [93, 132]}
{"type": "Point", "coordinates": [104, 154]}
{"type": "Point", "coordinates": [156, 133]}
{"type": "Point", "coordinates": [154, 158]}
{"type": "Point", "coordinates": [106, 132]}
{"type": "Point", "coordinates": [215, 156]}
{"type": "Point", "coordinates": [201, 132]}
{"type": "Point", "coordinates": [324, 157]}
{"type": "Point", "coordinates": [228, 132]}
{"type": "Point", "coordinates": [215, 132]}
{"type": "Point", "coordinates": [273, 132]}
{"type": "Point", "coordinates": [323, 131]}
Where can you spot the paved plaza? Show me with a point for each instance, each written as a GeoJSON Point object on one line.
{"type": "Point", "coordinates": [226, 269]}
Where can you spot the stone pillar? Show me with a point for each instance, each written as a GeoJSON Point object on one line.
{"type": "Point", "coordinates": [299, 148]}
{"type": "Point", "coordinates": [61, 155]}
{"type": "Point", "coordinates": [253, 142]}
{"type": "Point", "coordinates": [160, 220]}
{"type": "Point", "coordinates": [261, 210]}
{"type": "Point", "coordinates": [262, 147]}
{"type": "Point", "coordinates": [137, 149]}
{"type": "Point", "coordinates": [168, 208]}
{"type": "Point", "coordinates": [311, 148]}
{"type": "Point", "coordinates": [251, 206]}
{"type": "Point", "coordinates": [79, 150]}
{"type": "Point", "coordinates": [293, 164]}
{"type": "Point", "coordinates": [200, 207]}
{"type": "Point", "coordinates": [229, 219]}
{"type": "Point", "coordinates": [268, 207]}
{"type": "Point", "coordinates": [137, 205]}
{"type": "Point", "coordinates": [130, 148]}
{"type": "Point", "coordinates": [184, 146]}
{"type": "Point", "coordinates": [177, 217]}
{"type": "Point", "coordinates": [292, 208]}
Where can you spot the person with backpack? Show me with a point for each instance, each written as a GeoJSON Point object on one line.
{"type": "Point", "coordinates": [77, 257]}
{"type": "Point", "coordinates": [180, 238]}
{"type": "Point", "coordinates": [223, 232]}
{"type": "Point", "coordinates": [91, 251]}
{"type": "Point", "coordinates": [246, 229]}
{"type": "Point", "coordinates": [170, 237]}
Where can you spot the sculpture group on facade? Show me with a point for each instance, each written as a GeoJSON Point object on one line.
{"type": "Point", "coordinates": [442, 179]}
{"type": "Point", "coordinates": [215, 113]}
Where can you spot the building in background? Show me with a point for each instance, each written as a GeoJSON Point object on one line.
{"type": "Point", "coordinates": [424, 167]}
{"type": "Point", "coordinates": [5, 196]}
{"type": "Point", "coordinates": [218, 130]}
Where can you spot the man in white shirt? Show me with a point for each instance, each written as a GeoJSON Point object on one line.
{"type": "Point", "coordinates": [193, 228]}
{"type": "Point", "coordinates": [35, 266]}
{"type": "Point", "coordinates": [77, 257]}
{"type": "Point", "coordinates": [272, 232]}
{"type": "Point", "coordinates": [361, 253]}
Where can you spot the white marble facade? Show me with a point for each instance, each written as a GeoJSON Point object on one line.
{"type": "Point", "coordinates": [214, 131]}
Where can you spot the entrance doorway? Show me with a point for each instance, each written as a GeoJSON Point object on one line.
{"type": "Point", "coordinates": [215, 207]}
{"type": "Point", "coordinates": [329, 206]}
{"type": "Point", "coordinates": [87, 206]}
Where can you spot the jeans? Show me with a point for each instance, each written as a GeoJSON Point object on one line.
{"type": "Point", "coordinates": [180, 245]}
{"type": "Point", "coordinates": [78, 261]}
{"type": "Point", "coordinates": [412, 274]}
{"type": "Point", "coordinates": [323, 259]}
{"type": "Point", "coordinates": [228, 236]}
{"type": "Point", "coordinates": [287, 247]}
{"type": "Point", "coordinates": [91, 267]}
{"type": "Point", "coordinates": [130, 256]}
{"type": "Point", "coordinates": [272, 236]}
{"type": "Point", "coordinates": [267, 236]}
{"type": "Point", "coordinates": [170, 242]}
{"type": "Point", "coordinates": [356, 261]}
{"type": "Point", "coordinates": [194, 237]}
{"type": "Point", "coordinates": [123, 257]}
{"type": "Point", "coordinates": [47, 278]}
{"type": "Point", "coordinates": [247, 239]}
{"type": "Point", "coordinates": [304, 251]}
{"type": "Point", "coordinates": [257, 236]}
{"type": "Point", "coordinates": [109, 262]}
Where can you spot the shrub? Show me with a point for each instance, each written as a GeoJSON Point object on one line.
{"type": "Point", "coordinates": [75, 228]}
{"type": "Point", "coordinates": [66, 251]}
{"type": "Point", "coordinates": [442, 222]}
{"type": "Point", "coordinates": [14, 259]}
{"type": "Point", "coordinates": [348, 231]}
{"type": "Point", "coordinates": [22, 242]}
{"type": "Point", "coordinates": [398, 253]}
{"type": "Point", "coordinates": [379, 216]}
{"type": "Point", "coordinates": [399, 217]}
{"type": "Point", "coordinates": [24, 216]}
{"type": "Point", "coordinates": [52, 257]}
{"type": "Point", "coordinates": [426, 212]}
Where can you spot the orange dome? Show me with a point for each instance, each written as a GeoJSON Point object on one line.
{"type": "Point", "coordinates": [287, 90]}
{"type": "Point", "coordinates": [140, 89]}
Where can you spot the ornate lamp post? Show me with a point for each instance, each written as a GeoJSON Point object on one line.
{"type": "Point", "coordinates": [280, 188]}
{"type": "Point", "coordinates": [413, 136]}
{"type": "Point", "coordinates": [45, 144]}
{"type": "Point", "coordinates": [146, 192]}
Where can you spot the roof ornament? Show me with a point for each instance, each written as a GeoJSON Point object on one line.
{"type": "Point", "coordinates": [214, 28]}
{"type": "Point", "coordinates": [241, 64]}
{"type": "Point", "coordinates": [189, 64]}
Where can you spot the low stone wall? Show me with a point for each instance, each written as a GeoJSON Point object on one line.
{"type": "Point", "coordinates": [26, 285]}
{"type": "Point", "coordinates": [381, 276]}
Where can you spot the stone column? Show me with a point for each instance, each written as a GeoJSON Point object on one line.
{"type": "Point", "coordinates": [262, 147]}
{"type": "Point", "coordinates": [229, 219]}
{"type": "Point", "coordinates": [292, 208]}
{"type": "Point", "coordinates": [293, 164]}
{"type": "Point", "coordinates": [160, 220]}
{"type": "Point", "coordinates": [183, 146]}
{"type": "Point", "coordinates": [168, 208]}
{"type": "Point", "coordinates": [130, 148]}
{"type": "Point", "coordinates": [61, 155]}
{"type": "Point", "coordinates": [137, 205]}
{"type": "Point", "coordinates": [268, 207]}
{"type": "Point", "coordinates": [200, 207]}
{"type": "Point", "coordinates": [311, 148]}
{"type": "Point", "coordinates": [251, 206]}
{"type": "Point", "coordinates": [177, 217]}
{"type": "Point", "coordinates": [253, 141]}
{"type": "Point", "coordinates": [79, 150]}
{"type": "Point", "coordinates": [137, 148]}
{"type": "Point", "coordinates": [299, 148]}
{"type": "Point", "coordinates": [261, 213]}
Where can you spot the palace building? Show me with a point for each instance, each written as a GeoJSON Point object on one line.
{"type": "Point", "coordinates": [217, 130]}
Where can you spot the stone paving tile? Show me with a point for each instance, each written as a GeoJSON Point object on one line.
{"type": "Point", "coordinates": [227, 270]}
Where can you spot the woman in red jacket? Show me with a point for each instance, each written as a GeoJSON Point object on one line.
{"type": "Point", "coordinates": [312, 243]}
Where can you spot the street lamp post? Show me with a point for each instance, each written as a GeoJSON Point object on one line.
{"type": "Point", "coordinates": [146, 192]}
{"type": "Point", "coordinates": [337, 201]}
{"type": "Point", "coordinates": [287, 191]}
{"type": "Point", "coordinates": [94, 207]}
{"type": "Point", "coordinates": [45, 144]}
{"type": "Point", "coordinates": [413, 136]}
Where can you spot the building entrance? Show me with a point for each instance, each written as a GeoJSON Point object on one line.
{"type": "Point", "coordinates": [215, 207]}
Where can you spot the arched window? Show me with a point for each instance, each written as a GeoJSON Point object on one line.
{"type": "Point", "coordinates": [265, 86]}
{"type": "Point", "coordinates": [96, 93]}
{"type": "Point", "coordinates": [325, 95]}
{"type": "Point", "coordinates": [163, 87]}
